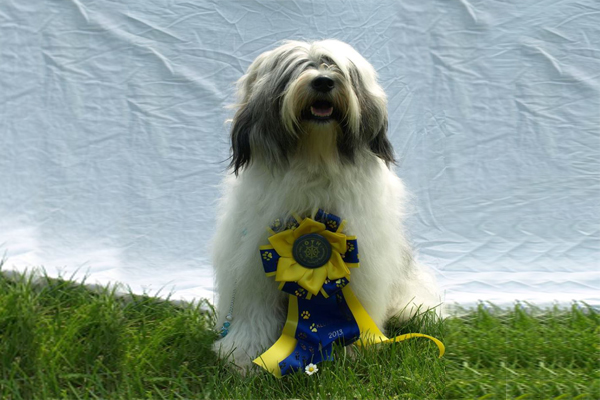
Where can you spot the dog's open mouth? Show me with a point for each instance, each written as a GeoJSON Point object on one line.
{"type": "Point", "coordinates": [321, 110]}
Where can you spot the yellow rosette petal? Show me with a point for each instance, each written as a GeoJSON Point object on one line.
{"type": "Point", "coordinates": [288, 270]}
{"type": "Point", "coordinates": [282, 242]}
{"type": "Point", "coordinates": [336, 267]}
{"type": "Point", "coordinates": [313, 279]}
{"type": "Point", "coordinates": [308, 226]}
{"type": "Point", "coordinates": [337, 240]}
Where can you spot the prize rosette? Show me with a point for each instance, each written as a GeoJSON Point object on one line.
{"type": "Point", "coordinates": [311, 259]}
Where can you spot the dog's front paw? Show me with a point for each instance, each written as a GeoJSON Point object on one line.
{"type": "Point", "coordinates": [236, 354]}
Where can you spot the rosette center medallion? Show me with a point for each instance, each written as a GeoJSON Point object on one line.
{"type": "Point", "coordinates": [312, 250]}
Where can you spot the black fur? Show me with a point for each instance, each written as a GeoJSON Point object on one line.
{"type": "Point", "coordinates": [374, 122]}
{"type": "Point", "coordinates": [381, 145]}
{"type": "Point", "coordinates": [240, 140]}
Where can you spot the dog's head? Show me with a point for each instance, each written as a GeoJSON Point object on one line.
{"type": "Point", "coordinates": [314, 101]}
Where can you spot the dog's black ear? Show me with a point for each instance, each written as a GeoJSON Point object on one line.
{"type": "Point", "coordinates": [257, 128]}
{"type": "Point", "coordinates": [381, 145]}
{"type": "Point", "coordinates": [373, 117]}
{"type": "Point", "coordinates": [241, 154]}
{"type": "Point", "coordinates": [374, 125]}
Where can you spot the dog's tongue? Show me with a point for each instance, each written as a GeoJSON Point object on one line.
{"type": "Point", "coordinates": [321, 110]}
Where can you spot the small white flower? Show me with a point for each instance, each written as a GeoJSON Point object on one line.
{"type": "Point", "coordinates": [311, 369]}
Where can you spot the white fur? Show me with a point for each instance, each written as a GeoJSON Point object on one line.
{"type": "Point", "coordinates": [366, 193]}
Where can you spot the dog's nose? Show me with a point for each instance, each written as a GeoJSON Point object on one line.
{"type": "Point", "coordinates": [322, 84]}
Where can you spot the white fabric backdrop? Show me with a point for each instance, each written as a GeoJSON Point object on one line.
{"type": "Point", "coordinates": [113, 138]}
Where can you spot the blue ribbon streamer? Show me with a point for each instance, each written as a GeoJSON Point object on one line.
{"type": "Point", "coordinates": [322, 322]}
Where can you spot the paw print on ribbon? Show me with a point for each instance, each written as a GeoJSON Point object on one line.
{"type": "Point", "coordinates": [305, 315]}
{"type": "Point", "coordinates": [300, 292]}
{"type": "Point", "coordinates": [267, 255]}
{"type": "Point", "coordinates": [291, 224]}
{"type": "Point", "coordinates": [349, 246]}
{"type": "Point", "coordinates": [313, 328]}
{"type": "Point", "coordinates": [302, 336]}
{"type": "Point", "coordinates": [332, 224]}
{"type": "Point", "coordinates": [338, 283]}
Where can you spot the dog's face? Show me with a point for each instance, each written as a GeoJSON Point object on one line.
{"type": "Point", "coordinates": [314, 101]}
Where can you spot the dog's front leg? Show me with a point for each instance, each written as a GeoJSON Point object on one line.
{"type": "Point", "coordinates": [256, 307]}
{"type": "Point", "coordinates": [255, 324]}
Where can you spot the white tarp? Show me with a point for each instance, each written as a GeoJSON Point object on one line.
{"type": "Point", "coordinates": [113, 138]}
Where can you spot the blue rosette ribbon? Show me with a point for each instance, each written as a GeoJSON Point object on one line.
{"type": "Point", "coordinates": [311, 260]}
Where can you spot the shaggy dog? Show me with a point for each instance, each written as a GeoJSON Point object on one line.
{"type": "Point", "coordinates": [309, 133]}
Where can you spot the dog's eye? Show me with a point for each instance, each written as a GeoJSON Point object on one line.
{"type": "Point", "coordinates": [327, 62]}
{"type": "Point", "coordinates": [310, 65]}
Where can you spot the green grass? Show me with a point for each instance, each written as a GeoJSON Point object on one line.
{"type": "Point", "coordinates": [62, 340]}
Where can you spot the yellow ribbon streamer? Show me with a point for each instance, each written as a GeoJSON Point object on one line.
{"type": "Point", "coordinates": [370, 333]}
{"type": "Point", "coordinates": [284, 346]}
